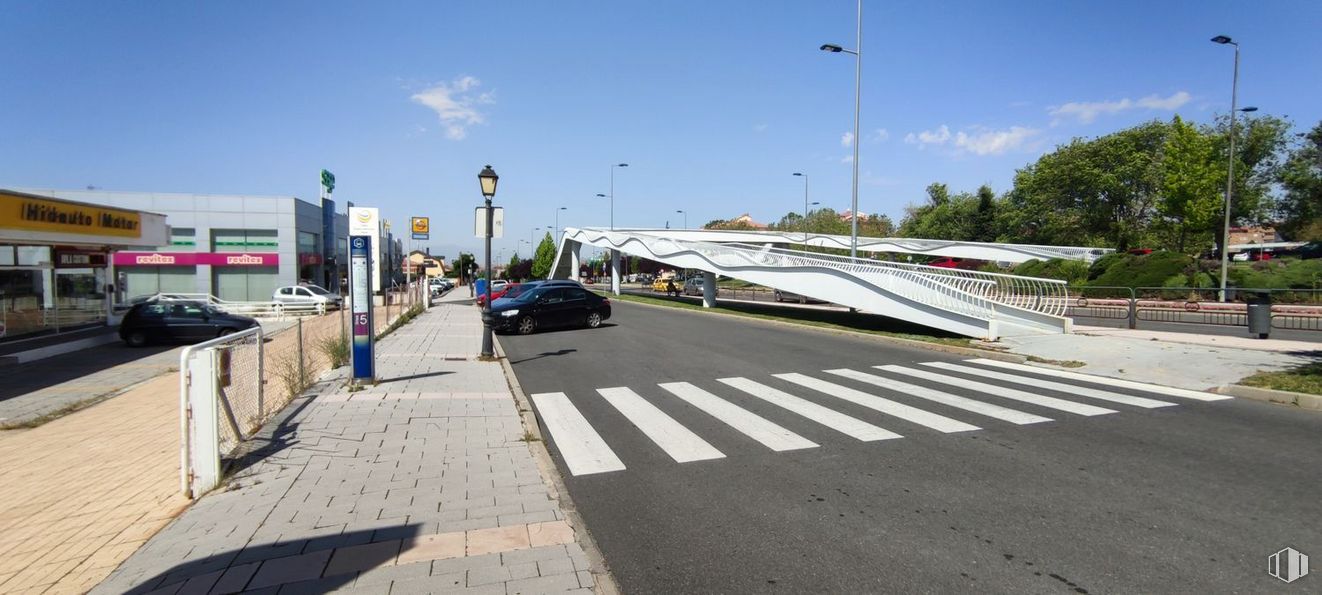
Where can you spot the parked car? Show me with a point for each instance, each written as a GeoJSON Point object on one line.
{"type": "Point", "coordinates": [550, 307]}
{"type": "Point", "coordinates": [496, 293]}
{"type": "Point", "coordinates": [948, 262]}
{"type": "Point", "coordinates": [307, 294]}
{"type": "Point", "coordinates": [1311, 250]}
{"type": "Point", "coordinates": [693, 286]}
{"type": "Point", "coordinates": [786, 296]}
{"type": "Point", "coordinates": [186, 321]}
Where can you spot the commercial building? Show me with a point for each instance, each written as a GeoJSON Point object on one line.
{"type": "Point", "coordinates": [55, 260]}
{"type": "Point", "coordinates": [235, 247]}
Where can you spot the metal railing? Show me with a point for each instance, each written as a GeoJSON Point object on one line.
{"type": "Point", "coordinates": [268, 309]}
{"type": "Point", "coordinates": [1292, 309]}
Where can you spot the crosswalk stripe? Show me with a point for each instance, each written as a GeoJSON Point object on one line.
{"type": "Point", "coordinates": [1001, 391]}
{"type": "Point", "coordinates": [581, 446]}
{"type": "Point", "coordinates": [830, 418]}
{"type": "Point", "coordinates": [939, 423]}
{"type": "Point", "coordinates": [759, 428]}
{"type": "Point", "coordinates": [1143, 386]}
{"type": "Point", "coordinates": [988, 409]}
{"type": "Point", "coordinates": [1060, 386]}
{"type": "Point", "coordinates": [678, 442]}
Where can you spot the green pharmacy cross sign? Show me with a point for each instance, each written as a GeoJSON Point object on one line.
{"type": "Point", "coordinates": [328, 180]}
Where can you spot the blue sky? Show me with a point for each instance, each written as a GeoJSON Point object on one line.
{"type": "Point", "coordinates": [713, 104]}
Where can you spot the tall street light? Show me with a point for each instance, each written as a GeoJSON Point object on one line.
{"type": "Point", "coordinates": [686, 218]}
{"type": "Point", "coordinates": [1230, 168]}
{"type": "Point", "coordinates": [858, 79]}
{"type": "Point", "coordinates": [613, 192]}
{"type": "Point", "coordinates": [557, 224]}
{"type": "Point", "coordinates": [487, 178]}
{"type": "Point", "coordinates": [805, 205]}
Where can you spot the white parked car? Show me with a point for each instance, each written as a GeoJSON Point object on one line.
{"type": "Point", "coordinates": [307, 294]}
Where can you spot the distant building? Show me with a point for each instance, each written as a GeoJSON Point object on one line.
{"type": "Point", "coordinates": [421, 264]}
{"type": "Point", "coordinates": [744, 221]}
{"type": "Point", "coordinates": [849, 216]}
{"type": "Point", "coordinates": [1254, 235]}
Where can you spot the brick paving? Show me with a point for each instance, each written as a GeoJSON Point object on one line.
{"type": "Point", "coordinates": [419, 484]}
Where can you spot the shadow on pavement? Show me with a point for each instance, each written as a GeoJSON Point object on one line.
{"type": "Point", "coordinates": [853, 320]}
{"type": "Point", "coordinates": [21, 379]}
{"type": "Point", "coordinates": [230, 571]}
{"type": "Point", "coordinates": [414, 377]}
{"type": "Point", "coordinates": [269, 441]}
{"type": "Point", "coordinates": [545, 354]}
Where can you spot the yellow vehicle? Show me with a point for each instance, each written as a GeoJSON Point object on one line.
{"type": "Point", "coordinates": [663, 281]}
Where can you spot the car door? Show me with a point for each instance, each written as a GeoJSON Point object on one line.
{"type": "Point", "coordinates": [551, 309]}
{"type": "Point", "coordinates": [187, 322]}
{"type": "Point", "coordinates": [575, 307]}
{"type": "Point", "coordinates": [284, 294]}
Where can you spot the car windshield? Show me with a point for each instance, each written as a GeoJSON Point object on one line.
{"type": "Point", "coordinates": [530, 296]}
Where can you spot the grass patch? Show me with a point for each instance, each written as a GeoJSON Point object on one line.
{"type": "Point", "coordinates": [528, 437]}
{"type": "Point", "coordinates": [1064, 363]}
{"type": "Point", "coordinates": [831, 319]}
{"type": "Point", "coordinates": [1303, 379]}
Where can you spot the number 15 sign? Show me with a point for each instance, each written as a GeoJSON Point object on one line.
{"type": "Point", "coordinates": [360, 288]}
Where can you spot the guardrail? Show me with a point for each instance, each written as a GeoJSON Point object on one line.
{"type": "Point", "coordinates": [271, 309]}
{"type": "Point", "coordinates": [1194, 305]}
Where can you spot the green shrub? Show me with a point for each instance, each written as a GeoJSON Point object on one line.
{"type": "Point", "coordinates": [1100, 265]}
{"type": "Point", "coordinates": [1073, 271]}
{"type": "Point", "coordinates": [1149, 270]}
{"type": "Point", "coordinates": [1176, 281]}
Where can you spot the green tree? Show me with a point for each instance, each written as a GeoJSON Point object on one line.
{"type": "Point", "coordinates": [1261, 149]}
{"type": "Point", "coordinates": [1190, 203]}
{"type": "Point", "coordinates": [512, 267]}
{"type": "Point", "coordinates": [985, 220]}
{"type": "Point", "coordinates": [1300, 208]}
{"type": "Point", "coordinates": [944, 217]}
{"type": "Point", "coordinates": [544, 258]}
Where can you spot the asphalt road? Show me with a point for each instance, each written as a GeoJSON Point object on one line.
{"type": "Point", "coordinates": [1185, 498]}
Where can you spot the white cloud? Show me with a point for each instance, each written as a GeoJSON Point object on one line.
{"type": "Point", "coordinates": [847, 159]}
{"type": "Point", "coordinates": [847, 139]}
{"type": "Point", "coordinates": [879, 136]}
{"type": "Point", "coordinates": [759, 128]}
{"type": "Point", "coordinates": [1088, 111]}
{"type": "Point", "coordinates": [929, 137]}
{"type": "Point", "coordinates": [455, 103]}
{"type": "Point", "coordinates": [993, 142]}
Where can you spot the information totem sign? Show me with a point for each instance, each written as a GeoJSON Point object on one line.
{"type": "Point", "coordinates": [360, 288]}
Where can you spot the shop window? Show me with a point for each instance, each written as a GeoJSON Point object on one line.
{"type": "Point", "coordinates": [31, 256]}
{"type": "Point", "coordinates": [244, 240]}
{"type": "Point", "coordinates": [183, 238]}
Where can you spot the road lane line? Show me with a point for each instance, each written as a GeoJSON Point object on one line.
{"type": "Point", "coordinates": [830, 418]}
{"type": "Point", "coordinates": [939, 423]}
{"type": "Point", "coordinates": [1143, 386]}
{"type": "Point", "coordinates": [580, 446]}
{"type": "Point", "coordinates": [754, 426]}
{"type": "Point", "coordinates": [1060, 386]}
{"type": "Point", "coordinates": [1001, 391]}
{"type": "Point", "coordinates": [678, 442]}
{"type": "Point", "coordinates": [922, 392]}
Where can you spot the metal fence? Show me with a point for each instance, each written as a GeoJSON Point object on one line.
{"type": "Point", "coordinates": [1291, 309]}
{"type": "Point", "coordinates": [231, 386]}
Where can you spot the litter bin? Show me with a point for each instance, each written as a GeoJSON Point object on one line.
{"type": "Point", "coordinates": [1260, 315]}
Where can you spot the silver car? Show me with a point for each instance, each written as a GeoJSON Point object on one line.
{"type": "Point", "coordinates": [307, 294]}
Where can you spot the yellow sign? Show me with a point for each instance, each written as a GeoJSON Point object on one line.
{"type": "Point", "coordinates": [39, 214]}
{"type": "Point", "coordinates": [420, 225]}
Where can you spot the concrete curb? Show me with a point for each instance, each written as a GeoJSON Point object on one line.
{"type": "Point", "coordinates": [1281, 397]}
{"type": "Point", "coordinates": [604, 583]}
{"type": "Point", "coordinates": [965, 351]}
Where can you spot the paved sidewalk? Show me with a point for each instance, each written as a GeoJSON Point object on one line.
{"type": "Point", "coordinates": [419, 484]}
{"type": "Point", "coordinates": [1245, 342]}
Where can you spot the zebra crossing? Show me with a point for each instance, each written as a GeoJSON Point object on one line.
{"type": "Point", "coordinates": [585, 452]}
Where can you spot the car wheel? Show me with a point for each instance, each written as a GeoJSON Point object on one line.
{"type": "Point", "coordinates": [594, 319]}
{"type": "Point", "coordinates": [225, 331]}
{"type": "Point", "coordinates": [136, 339]}
{"type": "Point", "coordinates": [527, 325]}
{"type": "Point", "coordinates": [777, 296]}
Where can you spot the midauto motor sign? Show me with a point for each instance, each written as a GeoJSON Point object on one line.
{"type": "Point", "coordinates": [195, 258]}
{"type": "Point", "coordinates": [36, 214]}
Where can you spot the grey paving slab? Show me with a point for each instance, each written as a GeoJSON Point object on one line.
{"type": "Point", "coordinates": [332, 485]}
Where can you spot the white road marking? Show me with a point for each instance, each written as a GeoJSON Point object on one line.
{"type": "Point", "coordinates": [678, 442]}
{"type": "Point", "coordinates": [830, 418]}
{"type": "Point", "coordinates": [1060, 386]}
{"type": "Point", "coordinates": [581, 446]}
{"type": "Point", "coordinates": [1143, 386]}
{"type": "Point", "coordinates": [922, 392]}
{"type": "Point", "coordinates": [1001, 391]}
{"type": "Point", "coordinates": [754, 426]}
{"type": "Point", "coordinates": [939, 423]}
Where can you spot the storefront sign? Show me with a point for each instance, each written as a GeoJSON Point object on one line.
{"type": "Point", "coordinates": [360, 294]}
{"type": "Point", "coordinates": [36, 214]}
{"type": "Point", "coordinates": [215, 259]}
{"type": "Point", "coordinates": [421, 228]}
{"type": "Point", "coordinates": [79, 259]}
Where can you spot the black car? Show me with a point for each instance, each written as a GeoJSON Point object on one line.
{"type": "Point", "coordinates": [181, 321]}
{"type": "Point", "coordinates": [550, 305]}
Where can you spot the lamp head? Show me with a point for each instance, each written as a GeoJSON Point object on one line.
{"type": "Point", "coordinates": [488, 179]}
{"type": "Point", "coordinates": [1248, 109]}
{"type": "Point", "coordinates": [601, 196]}
{"type": "Point", "coordinates": [622, 165]}
{"type": "Point", "coordinates": [798, 173]}
{"type": "Point", "coordinates": [831, 47]}
{"type": "Point", "coordinates": [1222, 39]}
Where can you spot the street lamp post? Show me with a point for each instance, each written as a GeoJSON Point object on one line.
{"type": "Point", "coordinates": [805, 205]}
{"type": "Point", "coordinates": [1230, 169]}
{"type": "Point", "coordinates": [686, 218]}
{"type": "Point", "coordinates": [487, 178]}
{"type": "Point", "coordinates": [858, 79]}
{"type": "Point", "coordinates": [613, 192]}
{"type": "Point", "coordinates": [557, 224]}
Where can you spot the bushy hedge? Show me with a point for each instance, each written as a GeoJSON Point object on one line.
{"type": "Point", "coordinates": [1072, 271]}
{"type": "Point", "coordinates": [1147, 270]}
